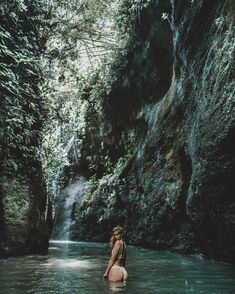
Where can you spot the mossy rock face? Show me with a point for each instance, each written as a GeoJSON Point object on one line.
{"type": "Point", "coordinates": [23, 200]}
{"type": "Point", "coordinates": [25, 228]}
{"type": "Point", "coordinates": [16, 202]}
{"type": "Point", "coordinates": [176, 190]}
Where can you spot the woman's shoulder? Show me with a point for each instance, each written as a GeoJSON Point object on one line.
{"type": "Point", "coordinates": [119, 243]}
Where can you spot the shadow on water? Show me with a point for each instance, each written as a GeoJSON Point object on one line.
{"type": "Point", "coordinates": [78, 267]}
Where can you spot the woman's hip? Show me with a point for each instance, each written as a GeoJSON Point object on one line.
{"type": "Point", "coordinates": [117, 273]}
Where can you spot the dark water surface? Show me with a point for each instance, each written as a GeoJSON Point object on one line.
{"type": "Point", "coordinates": [78, 267]}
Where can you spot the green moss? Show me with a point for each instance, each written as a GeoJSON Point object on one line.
{"type": "Point", "coordinates": [16, 202]}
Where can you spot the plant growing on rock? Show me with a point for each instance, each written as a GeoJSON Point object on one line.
{"type": "Point", "coordinates": [87, 46]}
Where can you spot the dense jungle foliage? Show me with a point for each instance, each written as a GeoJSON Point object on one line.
{"type": "Point", "coordinates": [22, 108]}
{"type": "Point", "coordinates": [58, 61]}
{"type": "Point", "coordinates": [85, 52]}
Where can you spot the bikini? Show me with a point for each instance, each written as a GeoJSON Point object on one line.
{"type": "Point", "coordinates": [122, 253]}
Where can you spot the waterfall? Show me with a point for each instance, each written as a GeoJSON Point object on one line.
{"type": "Point", "coordinates": [65, 207]}
{"type": "Point", "coordinates": [72, 149]}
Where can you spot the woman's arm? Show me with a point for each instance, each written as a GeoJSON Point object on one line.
{"type": "Point", "coordinates": [113, 257]}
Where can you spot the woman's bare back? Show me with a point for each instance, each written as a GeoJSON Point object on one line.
{"type": "Point", "coordinates": [118, 272]}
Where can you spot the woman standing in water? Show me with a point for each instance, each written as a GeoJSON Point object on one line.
{"type": "Point", "coordinates": [116, 271]}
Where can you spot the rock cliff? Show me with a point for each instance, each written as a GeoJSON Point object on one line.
{"type": "Point", "coordinates": [24, 204]}
{"type": "Point", "coordinates": [169, 125]}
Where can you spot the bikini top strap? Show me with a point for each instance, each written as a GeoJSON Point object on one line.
{"type": "Point", "coordinates": [123, 251]}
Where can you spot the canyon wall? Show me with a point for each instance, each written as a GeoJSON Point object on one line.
{"type": "Point", "coordinates": [169, 126]}
{"type": "Point", "coordinates": [24, 203]}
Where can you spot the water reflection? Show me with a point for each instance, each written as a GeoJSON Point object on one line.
{"type": "Point", "coordinates": [69, 263]}
{"type": "Point", "coordinates": [79, 267]}
{"type": "Point", "coordinates": [116, 287]}
{"type": "Point", "coordinates": [63, 242]}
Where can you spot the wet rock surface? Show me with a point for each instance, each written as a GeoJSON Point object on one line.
{"type": "Point", "coordinates": [25, 226]}
{"type": "Point", "coordinates": [176, 189]}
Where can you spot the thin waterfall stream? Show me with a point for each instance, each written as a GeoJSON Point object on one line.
{"type": "Point", "coordinates": [67, 200]}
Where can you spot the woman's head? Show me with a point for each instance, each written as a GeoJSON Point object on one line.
{"type": "Point", "coordinates": [117, 234]}
{"type": "Point", "coordinates": [118, 231]}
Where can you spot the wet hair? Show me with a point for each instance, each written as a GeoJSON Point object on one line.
{"type": "Point", "coordinates": [112, 239]}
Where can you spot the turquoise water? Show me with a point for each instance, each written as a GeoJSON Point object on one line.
{"type": "Point", "coordinates": [78, 267]}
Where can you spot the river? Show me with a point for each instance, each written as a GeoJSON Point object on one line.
{"type": "Point", "coordinates": [78, 267]}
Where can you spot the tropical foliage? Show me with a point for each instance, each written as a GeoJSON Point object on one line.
{"type": "Point", "coordinates": [58, 61]}
{"type": "Point", "coordinates": [22, 109]}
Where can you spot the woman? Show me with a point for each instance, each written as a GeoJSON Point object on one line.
{"type": "Point", "coordinates": [116, 271]}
